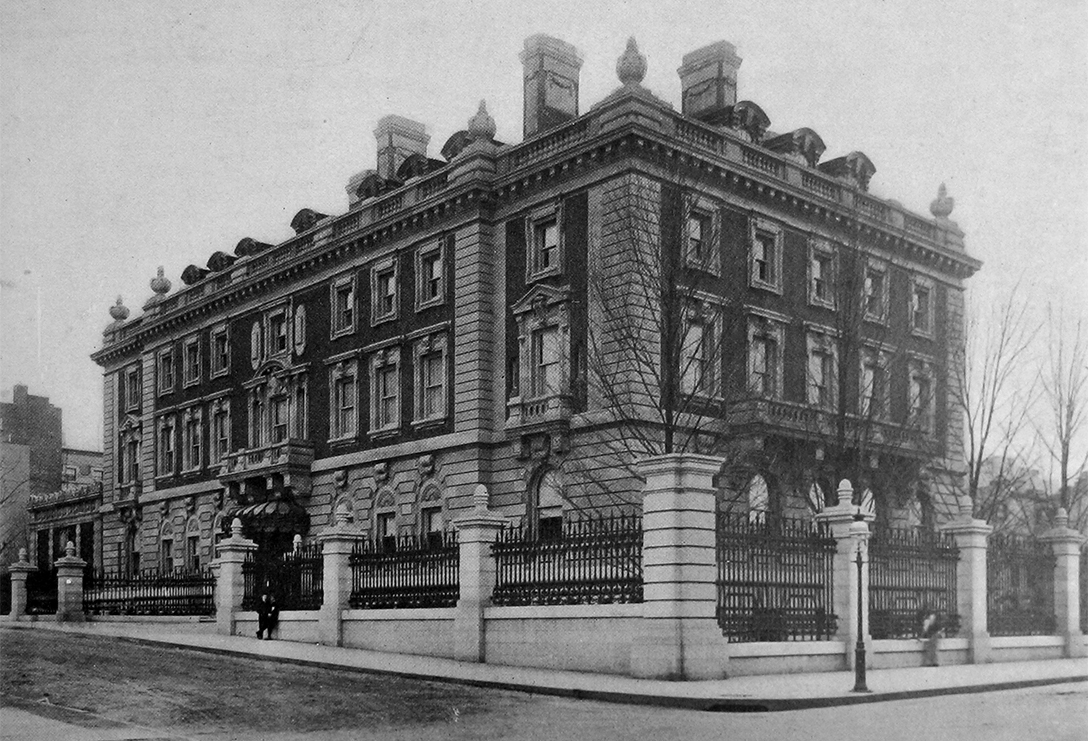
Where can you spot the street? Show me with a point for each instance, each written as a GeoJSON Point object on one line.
{"type": "Point", "coordinates": [93, 688]}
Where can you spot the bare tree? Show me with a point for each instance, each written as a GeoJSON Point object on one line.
{"type": "Point", "coordinates": [1064, 381]}
{"type": "Point", "coordinates": [995, 408]}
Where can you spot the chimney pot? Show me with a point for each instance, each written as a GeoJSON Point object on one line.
{"type": "Point", "coordinates": [708, 81]}
{"type": "Point", "coordinates": [550, 68]}
{"type": "Point", "coordinates": [398, 137]}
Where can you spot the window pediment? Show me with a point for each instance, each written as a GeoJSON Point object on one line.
{"type": "Point", "coordinates": [541, 299]}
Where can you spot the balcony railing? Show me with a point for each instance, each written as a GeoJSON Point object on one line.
{"type": "Point", "coordinates": [290, 458]}
{"type": "Point", "coordinates": [541, 410]}
{"type": "Point", "coordinates": [66, 494]}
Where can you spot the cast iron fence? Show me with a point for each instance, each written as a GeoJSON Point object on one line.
{"type": "Point", "coordinates": [1084, 590]}
{"type": "Point", "coordinates": [294, 578]}
{"type": "Point", "coordinates": [774, 578]}
{"type": "Point", "coordinates": [912, 573]}
{"type": "Point", "coordinates": [150, 592]}
{"type": "Point", "coordinates": [5, 593]}
{"type": "Point", "coordinates": [408, 571]}
{"type": "Point", "coordinates": [41, 592]}
{"type": "Point", "coordinates": [1019, 586]}
{"type": "Point", "coordinates": [593, 560]}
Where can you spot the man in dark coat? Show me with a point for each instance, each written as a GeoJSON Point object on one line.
{"type": "Point", "coordinates": [268, 613]}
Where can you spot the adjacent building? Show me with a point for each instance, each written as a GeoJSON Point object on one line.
{"type": "Point", "coordinates": [458, 325]}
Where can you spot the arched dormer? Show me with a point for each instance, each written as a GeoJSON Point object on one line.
{"type": "Point", "coordinates": [750, 118]}
{"type": "Point", "coordinates": [854, 167]}
{"type": "Point", "coordinates": [416, 165]}
{"type": "Point", "coordinates": [247, 246]}
{"type": "Point", "coordinates": [803, 144]}
{"type": "Point", "coordinates": [305, 220]}
{"type": "Point", "coordinates": [193, 274]}
{"type": "Point", "coordinates": [374, 185]}
{"type": "Point", "coordinates": [220, 261]}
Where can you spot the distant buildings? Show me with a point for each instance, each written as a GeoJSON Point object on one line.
{"type": "Point", "coordinates": [35, 468]}
{"type": "Point", "coordinates": [445, 330]}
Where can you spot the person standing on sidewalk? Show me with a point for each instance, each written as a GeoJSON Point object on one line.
{"type": "Point", "coordinates": [268, 613]}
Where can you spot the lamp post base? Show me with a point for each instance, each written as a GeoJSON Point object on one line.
{"type": "Point", "coordinates": [859, 669]}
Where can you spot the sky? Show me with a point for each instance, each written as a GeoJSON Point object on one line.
{"type": "Point", "coordinates": [139, 134]}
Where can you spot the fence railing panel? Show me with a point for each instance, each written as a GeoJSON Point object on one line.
{"type": "Point", "coordinates": [295, 578]}
{"type": "Point", "coordinates": [5, 593]}
{"type": "Point", "coordinates": [912, 574]}
{"type": "Point", "coordinates": [596, 560]}
{"type": "Point", "coordinates": [41, 592]}
{"type": "Point", "coordinates": [151, 592]}
{"type": "Point", "coordinates": [406, 572]}
{"type": "Point", "coordinates": [774, 578]}
{"type": "Point", "coordinates": [1019, 586]}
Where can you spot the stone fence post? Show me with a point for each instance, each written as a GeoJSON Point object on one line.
{"type": "Point", "coordinates": [970, 535]}
{"type": "Point", "coordinates": [476, 532]}
{"type": "Point", "coordinates": [70, 585]}
{"type": "Point", "coordinates": [337, 543]}
{"type": "Point", "coordinates": [1066, 543]}
{"type": "Point", "coordinates": [230, 584]}
{"type": "Point", "coordinates": [851, 536]}
{"type": "Point", "coordinates": [678, 636]}
{"type": "Point", "coordinates": [19, 571]}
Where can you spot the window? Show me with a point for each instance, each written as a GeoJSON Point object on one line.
{"type": "Point", "coordinates": [430, 523]}
{"type": "Point", "coordinates": [277, 333]}
{"type": "Point", "coordinates": [430, 381]}
{"type": "Point", "coordinates": [132, 388]}
{"type": "Point", "coordinates": [256, 345]}
{"type": "Point", "coordinates": [766, 256]}
{"type": "Point", "coordinates": [280, 420]}
{"type": "Point", "coordinates": [545, 257]}
{"type": "Point", "coordinates": [875, 293]}
{"type": "Point", "coordinates": [383, 286]}
{"type": "Point", "coordinates": [220, 446]}
{"type": "Point", "coordinates": [386, 530]}
{"type": "Point", "coordinates": [166, 446]}
{"type": "Point", "coordinates": [698, 238]}
{"type": "Point", "coordinates": [430, 280]}
{"type": "Point", "coordinates": [874, 386]}
{"type": "Point", "coordinates": [343, 306]}
{"type": "Point", "coordinates": [166, 556]}
{"type": "Point", "coordinates": [69, 473]}
{"type": "Point", "coordinates": [545, 362]}
{"type": "Point", "coordinates": [96, 474]}
{"type": "Point", "coordinates": [921, 308]}
{"type": "Point", "coordinates": [921, 397]}
{"type": "Point", "coordinates": [763, 358]}
{"type": "Point", "coordinates": [345, 411]}
{"type": "Point", "coordinates": [821, 277]}
{"type": "Point", "coordinates": [192, 553]}
{"type": "Point", "coordinates": [220, 352]}
{"type": "Point", "coordinates": [385, 390]}
{"type": "Point", "coordinates": [191, 361]}
{"type": "Point", "coordinates": [301, 431]}
{"type": "Point", "coordinates": [698, 359]}
{"type": "Point", "coordinates": [256, 419]}
{"type": "Point", "coordinates": [130, 466]}
{"type": "Point", "coordinates": [166, 370]}
{"type": "Point", "coordinates": [821, 381]}
{"type": "Point", "coordinates": [192, 455]}
{"type": "Point", "coordinates": [549, 506]}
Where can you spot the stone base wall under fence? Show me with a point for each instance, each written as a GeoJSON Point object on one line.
{"type": "Point", "coordinates": [295, 625]}
{"type": "Point", "coordinates": [909, 653]}
{"type": "Point", "coordinates": [418, 631]}
{"type": "Point", "coordinates": [588, 638]}
{"type": "Point", "coordinates": [786, 657]}
{"type": "Point", "coordinates": [1026, 648]}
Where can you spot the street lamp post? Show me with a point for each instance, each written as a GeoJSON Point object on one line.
{"type": "Point", "coordinates": [859, 649]}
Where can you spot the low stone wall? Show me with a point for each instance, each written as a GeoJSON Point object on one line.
{"type": "Point", "coordinates": [786, 657]}
{"type": "Point", "coordinates": [588, 638]}
{"type": "Point", "coordinates": [156, 623]}
{"type": "Point", "coordinates": [1026, 648]}
{"type": "Point", "coordinates": [418, 631]}
{"type": "Point", "coordinates": [294, 625]}
{"type": "Point", "coordinates": [906, 653]}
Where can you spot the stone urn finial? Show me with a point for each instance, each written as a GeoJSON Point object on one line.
{"type": "Point", "coordinates": [845, 492]}
{"type": "Point", "coordinates": [70, 549]}
{"type": "Point", "coordinates": [236, 528]}
{"type": "Point", "coordinates": [631, 66]}
{"type": "Point", "coordinates": [482, 126]}
{"type": "Point", "coordinates": [296, 543]}
{"type": "Point", "coordinates": [22, 555]}
{"type": "Point", "coordinates": [942, 205]}
{"type": "Point", "coordinates": [480, 498]}
{"type": "Point", "coordinates": [1061, 520]}
{"type": "Point", "coordinates": [160, 284]}
{"type": "Point", "coordinates": [119, 311]}
{"type": "Point", "coordinates": [343, 517]}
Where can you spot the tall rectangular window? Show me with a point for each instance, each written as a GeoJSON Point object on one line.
{"type": "Point", "coordinates": [192, 553]}
{"type": "Point", "coordinates": [763, 361]}
{"type": "Point", "coordinates": [193, 453]}
{"type": "Point", "coordinates": [132, 460]}
{"type": "Point", "coordinates": [220, 435]}
{"type": "Point", "coordinates": [256, 420]}
{"type": "Point", "coordinates": [132, 388]}
{"type": "Point", "coordinates": [545, 245]}
{"type": "Point", "coordinates": [432, 384]}
{"type": "Point", "coordinates": [921, 400]}
{"type": "Point", "coordinates": [430, 522]}
{"type": "Point", "coordinates": [921, 309]}
{"type": "Point", "coordinates": [387, 391]}
{"type": "Point", "coordinates": [820, 378]}
{"type": "Point", "coordinates": [429, 283]}
{"type": "Point", "coordinates": [191, 360]}
{"type": "Point", "coordinates": [280, 411]}
{"type": "Point", "coordinates": [698, 235]}
{"type": "Point", "coordinates": [765, 257]}
{"type": "Point", "coordinates": [545, 361]}
{"type": "Point", "coordinates": [873, 387]}
{"type": "Point", "coordinates": [220, 352]}
{"type": "Point", "coordinates": [166, 370]}
{"type": "Point", "coordinates": [277, 333]}
{"type": "Point", "coordinates": [343, 306]}
{"type": "Point", "coordinates": [698, 359]}
{"type": "Point", "coordinates": [166, 446]}
{"type": "Point", "coordinates": [386, 530]}
{"type": "Point", "coordinates": [345, 406]}
{"type": "Point", "coordinates": [385, 293]}
{"type": "Point", "coordinates": [166, 556]}
{"type": "Point", "coordinates": [822, 275]}
{"type": "Point", "coordinates": [875, 293]}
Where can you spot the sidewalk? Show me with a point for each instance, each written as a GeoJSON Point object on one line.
{"type": "Point", "coordinates": [738, 694]}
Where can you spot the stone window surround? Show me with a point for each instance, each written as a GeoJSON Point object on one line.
{"type": "Point", "coordinates": [430, 343]}
{"type": "Point", "coordinates": [340, 366]}
{"type": "Point", "coordinates": [216, 407]}
{"type": "Point", "coordinates": [916, 282]}
{"type": "Point", "coordinates": [823, 339]}
{"type": "Point", "coordinates": [132, 401]}
{"type": "Point", "coordinates": [883, 356]}
{"type": "Point", "coordinates": [703, 207]}
{"type": "Point", "coordinates": [335, 286]}
{"type": "Point", "coordinates": [283, 311]}
{"type": "Point", "coordinates": [758, 226]}
{"type": "Point", "coordinates": [164, 355]}
{"type": "Point", "coordinates": [770, 325]}
{"type": "Point", "coordinates": [707, 313]}
{"type": "Point", "coordinates": [822, 247]}
{"type": "Point", "coordinates": [875, 265]}
{"type": "Point", "coordinates": [130, 431]}
{"type": "Point", "coordinates": [922, 366]}
{"type": "Point", "coordinates": [424, 251]}
{"type": "Point", "coordinates": [381, 358]}
{"type": "Point", "coordinates": [545, 310]}
{"type": "Point", "coordinates": [541, 214]}
{"type": "Point", "coordinates": [221, 329]}
{"type": "Point", "coordinates": [190, 374]}
{"type": "Point", "coordinates": [190, 414]}
{"type": "Point", "coordinates": [383, 267]}
{"type": "Point", "coordinates": [161, 424]}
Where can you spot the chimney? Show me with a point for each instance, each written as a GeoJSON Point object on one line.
{"type": "Point", "coordinates": [550, 68]}
{"type": "Point", "coordinates": [398, 137]}
{"type": "Point", "coordinates": [708, 82]}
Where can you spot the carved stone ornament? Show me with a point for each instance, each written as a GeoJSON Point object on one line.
{"type": "Point", "coordinates": [426, 465]}
{"type": "Point", "coordinates": [119, 312]}
{"type": "Point", "coordinates": [381, 472]}
{"type": "Point", "coordinates": [942, 205]}
{"type": "Point", "coordinates": [190, 504]}
{"type": "Point", "coordinates": [631, 66]}
{"type": "Point", "coordinates": [164, 508]}
{"type": "Point", "coordinates": [482, 125]}
{"type": "Point", "coordinates": [340, 478]}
